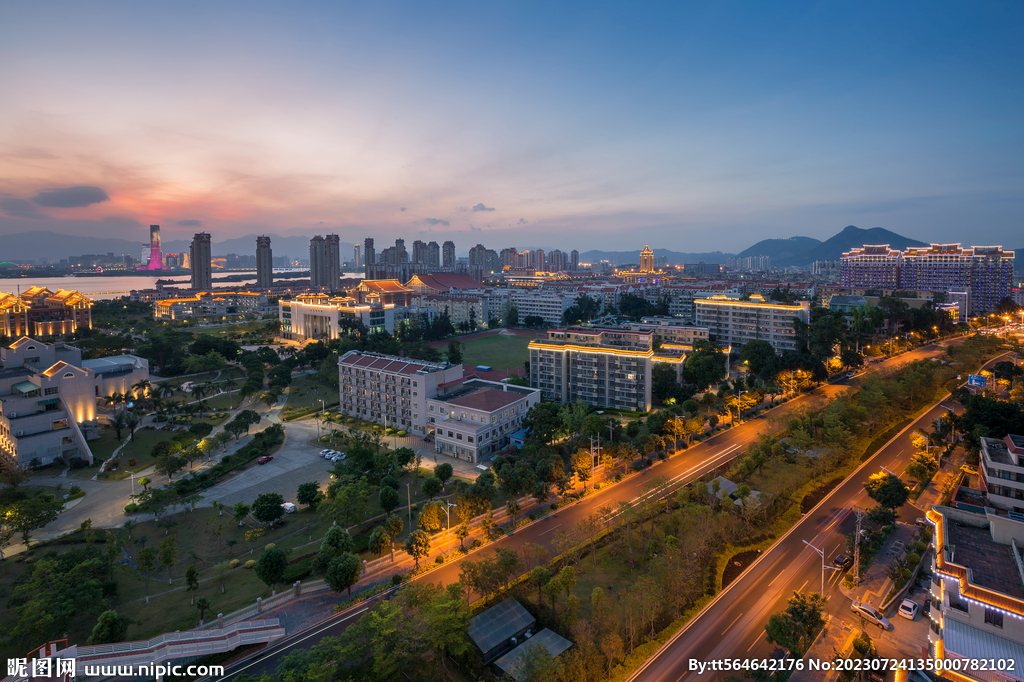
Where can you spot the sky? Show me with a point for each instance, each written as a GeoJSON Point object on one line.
{"type": "Point", "coordinates": [690, 126]}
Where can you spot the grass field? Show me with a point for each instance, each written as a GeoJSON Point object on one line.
{"type": "Point", "coordinates": [498, 351]}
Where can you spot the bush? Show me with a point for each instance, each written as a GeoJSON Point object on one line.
{"type": "Point", "coordinates": [300, 570]}
{"type": "Point", "coordinates": [476, 543]}
{"type": "Point", "coordinates": [131, 508]}
{"type": "Point", "coordinates": [234, 563]}
{"type": "Point", "coordinates": [250, 563]}
{"type": "Point", "coordinates": [397, 579]}
{"type": "Point", "coordinates": [913, 559]}
{"type": "Point", "coordinates": [439, 559]}
{"type": "Point", "coordinates": [401, 434]}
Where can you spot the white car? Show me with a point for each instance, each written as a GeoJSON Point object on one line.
{"type": "Point", "coordinates": [909, 609]}
{"type": "Point", "coordinates": [869, 613]}
{"type": "Point", "coordinates": [324, 453]}
{"type": "Point", "coordinates": [329, 453]}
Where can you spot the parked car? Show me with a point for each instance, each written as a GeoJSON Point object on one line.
{"type": "Point", "coordinates": [842, 561]}
{"type": "Point", "coordinates": [288, 507]}
{"type": "Point", "coordinates": [323, 453]}
{"type": "Point", "coordinates": [969, 470]}
{"type": "Point", "coordinates": [909, 609]}
{"type": "Point", "coordinates": [264, 459]}
{"type": "Point", "coordinates": [850, 375]}
{"type": "Point", "coordinates": [871, 614]}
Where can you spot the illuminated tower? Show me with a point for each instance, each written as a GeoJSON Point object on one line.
{"type": "Point", "coordinates": [647, 260]}
{"type": "Point", "coordinates": [156, 257]}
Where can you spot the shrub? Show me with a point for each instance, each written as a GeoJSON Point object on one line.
{"type": "Point", "coordinates": [913, 559]}
{"type": "Point", "coordinates": [250, 563]}
{"type": "Point", "coordinates": [476, 543]}
{"type": "Point", "coordinates": [533, 516]}
{"type": "Point", "coordinates": [439, 559]}
{"type": "Point", "coordinates": [401, 434]}
{"type": "Point", "coordinates": [300, 570]}
{"type": "Point", "coordinates": [397, 579]}
{"type": "Point", "coordinates": [554, 506]}
{"type": "Point", "coordinates": [270, 545]}
{"type": "Point", "coordinates": [234, 563]}
{"type": "Point", "coordinates": [131, 508]}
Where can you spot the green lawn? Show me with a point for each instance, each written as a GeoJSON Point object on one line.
{"type": "Point", "coordinates": [305, 391]}
{"type": "Point", "coordinates": [500, 352]}
{"type": "Point", "coordinates": [105, 445]}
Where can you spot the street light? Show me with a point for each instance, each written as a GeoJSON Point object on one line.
{"type": "Point", "coordinates": [821, 552]}
{"type": "Point", "coordinates": [447, 538]}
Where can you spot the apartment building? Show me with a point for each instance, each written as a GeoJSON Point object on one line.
{"type": "Point", "coordinates": [602, 367]}
{"type": "Point", "coordinates": [325, 262]}
{"type": "Point", "coordinates": [477, 418]}
{"type": "Point", "coordinates": [319, 316]}
{"type": "Point", "coordinates": [200, 260]}
{"type": "Point", "coordinates": [978, 592]}
{"type": "Point", "coordinates": [681, 297]}
{"type": "Point", "coordinates": [1002, 471]}
{"type": "Point", "coordinates": [548, 305]}
{"type": "Point", "coordinates": [734, 322]}
{"type": "Point", "coordinates": [390, 390]}
{"type": "Point", "coordinates": [671, 330]}
{"type": "Point", "coordinates": [37, 311]}
{"type": "Point", "coordinates": [212, 305]}
{"type": "Point", "coordinates": [870, 267]}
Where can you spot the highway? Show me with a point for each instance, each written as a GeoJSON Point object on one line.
{"type": "Point", "coordinates": [733, 625]}
{"type": "Point", "coordinates": [689, 465]}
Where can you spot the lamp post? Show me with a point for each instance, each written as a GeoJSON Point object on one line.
{"type": "Point", "coordinates": [821, 552]}
{"type": "Point", "coordinates": [447, 531]}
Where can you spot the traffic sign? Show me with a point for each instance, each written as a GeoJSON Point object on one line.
{"type": "Point", "coordinates": [977, 380]}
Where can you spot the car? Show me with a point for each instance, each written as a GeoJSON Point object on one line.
{"type": "Point", "coordinates": [842, 561]}
{"type": "Point", "coordinates": [921, 522]}
{"type": "Point", "coordinates": [323, 453]}
{"type": "Point", "coordinates": [288, 507]}
{"type": "Point", "coordinates": [335, 458]}
{"type": "Point", "coordinates": [264, 459]}
{"type": "Point", "coordinates": [969, 470]}
{"type": "Point", "coordinates": [850, 375]}
{"type": "Point", "coordinates": [909, 609]}
{"type": "Point", "coordinates": [871, 614]}
{"type": "Point", "coordinates": [329, 454]}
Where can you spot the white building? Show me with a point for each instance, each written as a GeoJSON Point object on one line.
{"type": "Point", "coordinates": [734, 322]}
{"type": "Point", "coordinates": [549, 305]}
{"type": "Point", "coordinates": [671, 330]}
{"type": "Point", "coordinates": [1002, 471]}
{"type": "Point", "coordinates": [319, 316]}
{"type": "Point", "coordinates": [392, 391]}
{"type": "Point", "coordinates": [475, 420]}
{"type": "Point", "coordinates": [214, 305]}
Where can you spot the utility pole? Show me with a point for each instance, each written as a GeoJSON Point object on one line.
{"type": "Point", "coordinates": [856, 548]}
{"type": "Point", "coordinates": [408, 497]}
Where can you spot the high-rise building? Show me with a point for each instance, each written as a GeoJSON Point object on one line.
{"type": "Point", "coordinates": [448, 254]}
{"type": "Point", "coordinates": [491, 261]}
{"type": "Point", "coordinates": [201, 261]}
{"type": "Point", "coordinates": [509, 257]}
{"type": "Point", "coordinates": [325, 262]}
{"type": "Point", "coordinates": [369, 253]}
{"type": "Point", "coordinates": [401, 255]}
{"type": "Point", "coordinates": [869, 267]}
{"type": "Point", "coordinates": [153, 250]}
{"type": "Point", "coordinates": [539, 262]}
{"type": "Point", "coordinates": [264, 263]}
{"type": "Point", "coordinates": [433, 255]}
{"type": "Point", "coordinates": [647, 260]}
{"type": "Point", "coordinates": [574, 260]}
{"type": "Point", "coordinates": [355, 256]}
{"type": "Point", "coordinates": [736, 322]}
{"type": "Point", "coordinates": [477, 254]}
{"type": "Point", "coordinates": [992, 277]}
{"type": "Point", "coordinates": [419, 251]}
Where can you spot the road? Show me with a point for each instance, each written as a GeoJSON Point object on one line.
{"type": "Point", "coordinates": [733, 625]}
{"type": "Point", "coordinates": [681, 469]}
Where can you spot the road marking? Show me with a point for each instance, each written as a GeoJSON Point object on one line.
{"type": "Point", "coordinates": [756, 641]}
{"type": "Point", "coordinates": [291, 644]}
{"type": "Point", "coordinates": [729, 626]}
{"type": "Point", "coordinates": [549, 530]}
{"type": "Point", "coordinates": [804, 585]}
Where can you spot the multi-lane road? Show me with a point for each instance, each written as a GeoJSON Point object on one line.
{"type": "Point", "coordinates": [733, 625]}
{"type": "Point", "coordinates": [681, 469]}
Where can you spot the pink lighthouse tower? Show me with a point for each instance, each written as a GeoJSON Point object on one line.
{"type": "Point", "coordinates": [156, 256]}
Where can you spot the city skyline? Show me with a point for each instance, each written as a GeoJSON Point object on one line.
{"type": "Point", "coordinates": [653, 126]}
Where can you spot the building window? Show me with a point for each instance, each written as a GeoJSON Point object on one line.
{"type": "Point", "coordinates": [69, 375]}
{"type": "Point", "coordinates": [469, 438]}
{"type": "Point", "coordinates": [51, 390]}
{"type": "Point", "coordinates": [449, 434]}
{"type": "Point", "coordinates": [993, 618]}
{"type": "Point", "coordinates": [415, 384]}
{"type": "Point", "coordinates": [458, 436]}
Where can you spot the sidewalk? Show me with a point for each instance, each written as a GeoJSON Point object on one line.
{"type": "Point", "coordinates": [874, 583]}
{"type": "Point", "coordinates": [835, 639]}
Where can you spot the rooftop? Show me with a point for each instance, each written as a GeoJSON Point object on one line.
{"type": "Point", "coordinates": [997, 451]}
{"type": "Point", "coordinates": [485, 399]}
{"type": "Point", "coordinates": [444, 281]}
{"type": "Point", "coordinates": [115, 363]}
{"type": "Point", "coordinates": [553, 642]}
{"type": "Point", "coordinates": [992, 564]}
{"type": "Point", "coordinates": [499, 623]}
{"type": "Point", "coordinates": [389, 363]}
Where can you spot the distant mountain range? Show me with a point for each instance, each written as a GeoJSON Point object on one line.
{"type": "Point", "coordinates": [785, 252]}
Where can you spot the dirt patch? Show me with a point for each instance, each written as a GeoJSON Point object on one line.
{"type": "Point", "coordinates": [812, 498]}
{"type": "Point", "coordinates": [737, 565]}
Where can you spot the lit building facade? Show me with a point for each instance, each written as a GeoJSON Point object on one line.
{"type": "Point", "coordinates": [604, 368]}
{"type": "Point", "coordinates": [319, 316]}
{"type": "Point", "coordinates": [474, 420]}
{"type": "Point", "coordinates": [734, 322]}
{"type": "Point", "coordinates": [212, 305]}
{"type": "Point", "coordinates": [37, 311]}
{"type": "Point", "coordinates": [870, 267]}
{"type": "Point", "coordinates": [390, 390]}
{"type": "Point", "coordinates": [1002, 471]}
{"type": "Point", "coordinates": [647, 260]}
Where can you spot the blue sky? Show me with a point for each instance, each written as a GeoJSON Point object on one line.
{"type": "Point", "coordinates": [689, 126]}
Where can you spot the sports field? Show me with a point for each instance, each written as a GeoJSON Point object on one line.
{"type": "Point", "coordinates": [499, 351]}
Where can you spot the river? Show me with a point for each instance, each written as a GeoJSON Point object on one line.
{"type": "Point", "coordinates": [101, 288]}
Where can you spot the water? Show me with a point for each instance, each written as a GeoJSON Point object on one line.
{"type": "Point", "coordinates": [101, 288]}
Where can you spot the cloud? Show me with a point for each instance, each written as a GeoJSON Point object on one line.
{"type": "Point", "coordinates": [522, 221]}
{"type": "Point", "coordinates": [190, 222]}
{"type": "Point", "coordinates": [70, 197]}
{"type": "Point", "coordinates": [481, 207]}
{"type": "Point", "coordinates": [402, 209]}
{"type": "Point", "coordinates": [436, 221]}
{"type": "Point", "coordinates": [21, 208]}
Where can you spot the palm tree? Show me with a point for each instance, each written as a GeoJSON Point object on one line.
{"type": "Point", "coordinates": [133, 420]}
{"type": "Point", "coordinates": [230, 383]}
{"type": "Point", "coordinates": [165, 390]}
{"type": "Point", "coordinates": [157, 403]}
{"type": "Point", "coordinates": [114, 399]}
{"type": "Point", "coordinates": [119, 422]}
{"type": "Point", "coordinates": [142, 388]}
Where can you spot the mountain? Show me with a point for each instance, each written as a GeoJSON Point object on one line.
{"type": "Point", "coordinates": [851, 236]}
{"type": "Point", "coordinates": [780, 249]}
{"type": "Point", "coordinates": [674, 257]}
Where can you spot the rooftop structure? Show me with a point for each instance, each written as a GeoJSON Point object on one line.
{"type": "Point", "coordinates": [493, 630]}
{"type": "Point", "coordinates": [552, 642]}
{"type": "Point", "coordinates": [37, 311]}
{"type": "Point", "coordinates": [471, 418]}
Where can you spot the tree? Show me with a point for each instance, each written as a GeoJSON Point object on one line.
{"type": "Point", "coordinates": [192, 581]}
{"type": "Point", "coordinates": [922, 465]}
{"type": "Point", "coordinates": [388, 498]}
{"type": "Point", "coordinates": [540, 577]}
{"type": "Point", "coordinates": [462, 532]}
{"type": "Point", "coordinates": [344, 572]}
{"type": "Point", "coordinates": [28, 515]}
{"type": "Point", "coordinates": [380, 541]}
{"type": "Point", "coordinates": [431, 487]}
{"type": "Point", "coordinates": [582, 466]}
{"type": "Point", "coordinates": [168, 465]}
{"type": "Point", "coordinates": [756, 355]}
{"type": "Point", "coordinates": [119, 422]}
{"type": "Point", "coordinates": [271, 565]}
{"type": "Point", "coordinates": [203, 604]}
{"type": "Point", "coordinates": [146, 561]}
{"type": "Point", "coordinates": [13, 475]}
{"type": "Point", "coordinates": [267, 509]}
{"type": "Point", "coordinates": [432, 518]}
{"type": "Point", "coordinates": [394, 524]}
{"type": "Point", "coordinates": [454, 352]}
{"type": "Point", "coordinates": [795, 627]}
{"type": "Point", "coordinates": [144, 482]}
{"type": "Point", "coordinates": [887, 490]}
{"type": "Point", "coordinates": [309, 494]}
{"type": "Point", "coordinates": [168, 554]}
{"type": "Point", "coordinates": [443, 472]}
{"type": "Point", "coordinates": [418, 545]}
{"type": "Point", "coordinates": [109, 629]}
{"type": "Point", "coordinates": [239, 512]}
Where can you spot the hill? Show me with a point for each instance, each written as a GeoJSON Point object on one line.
{"type": "Point", "coordinates": [780, 249]}
{"type": "Point", "coordinates": [851, 236]}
